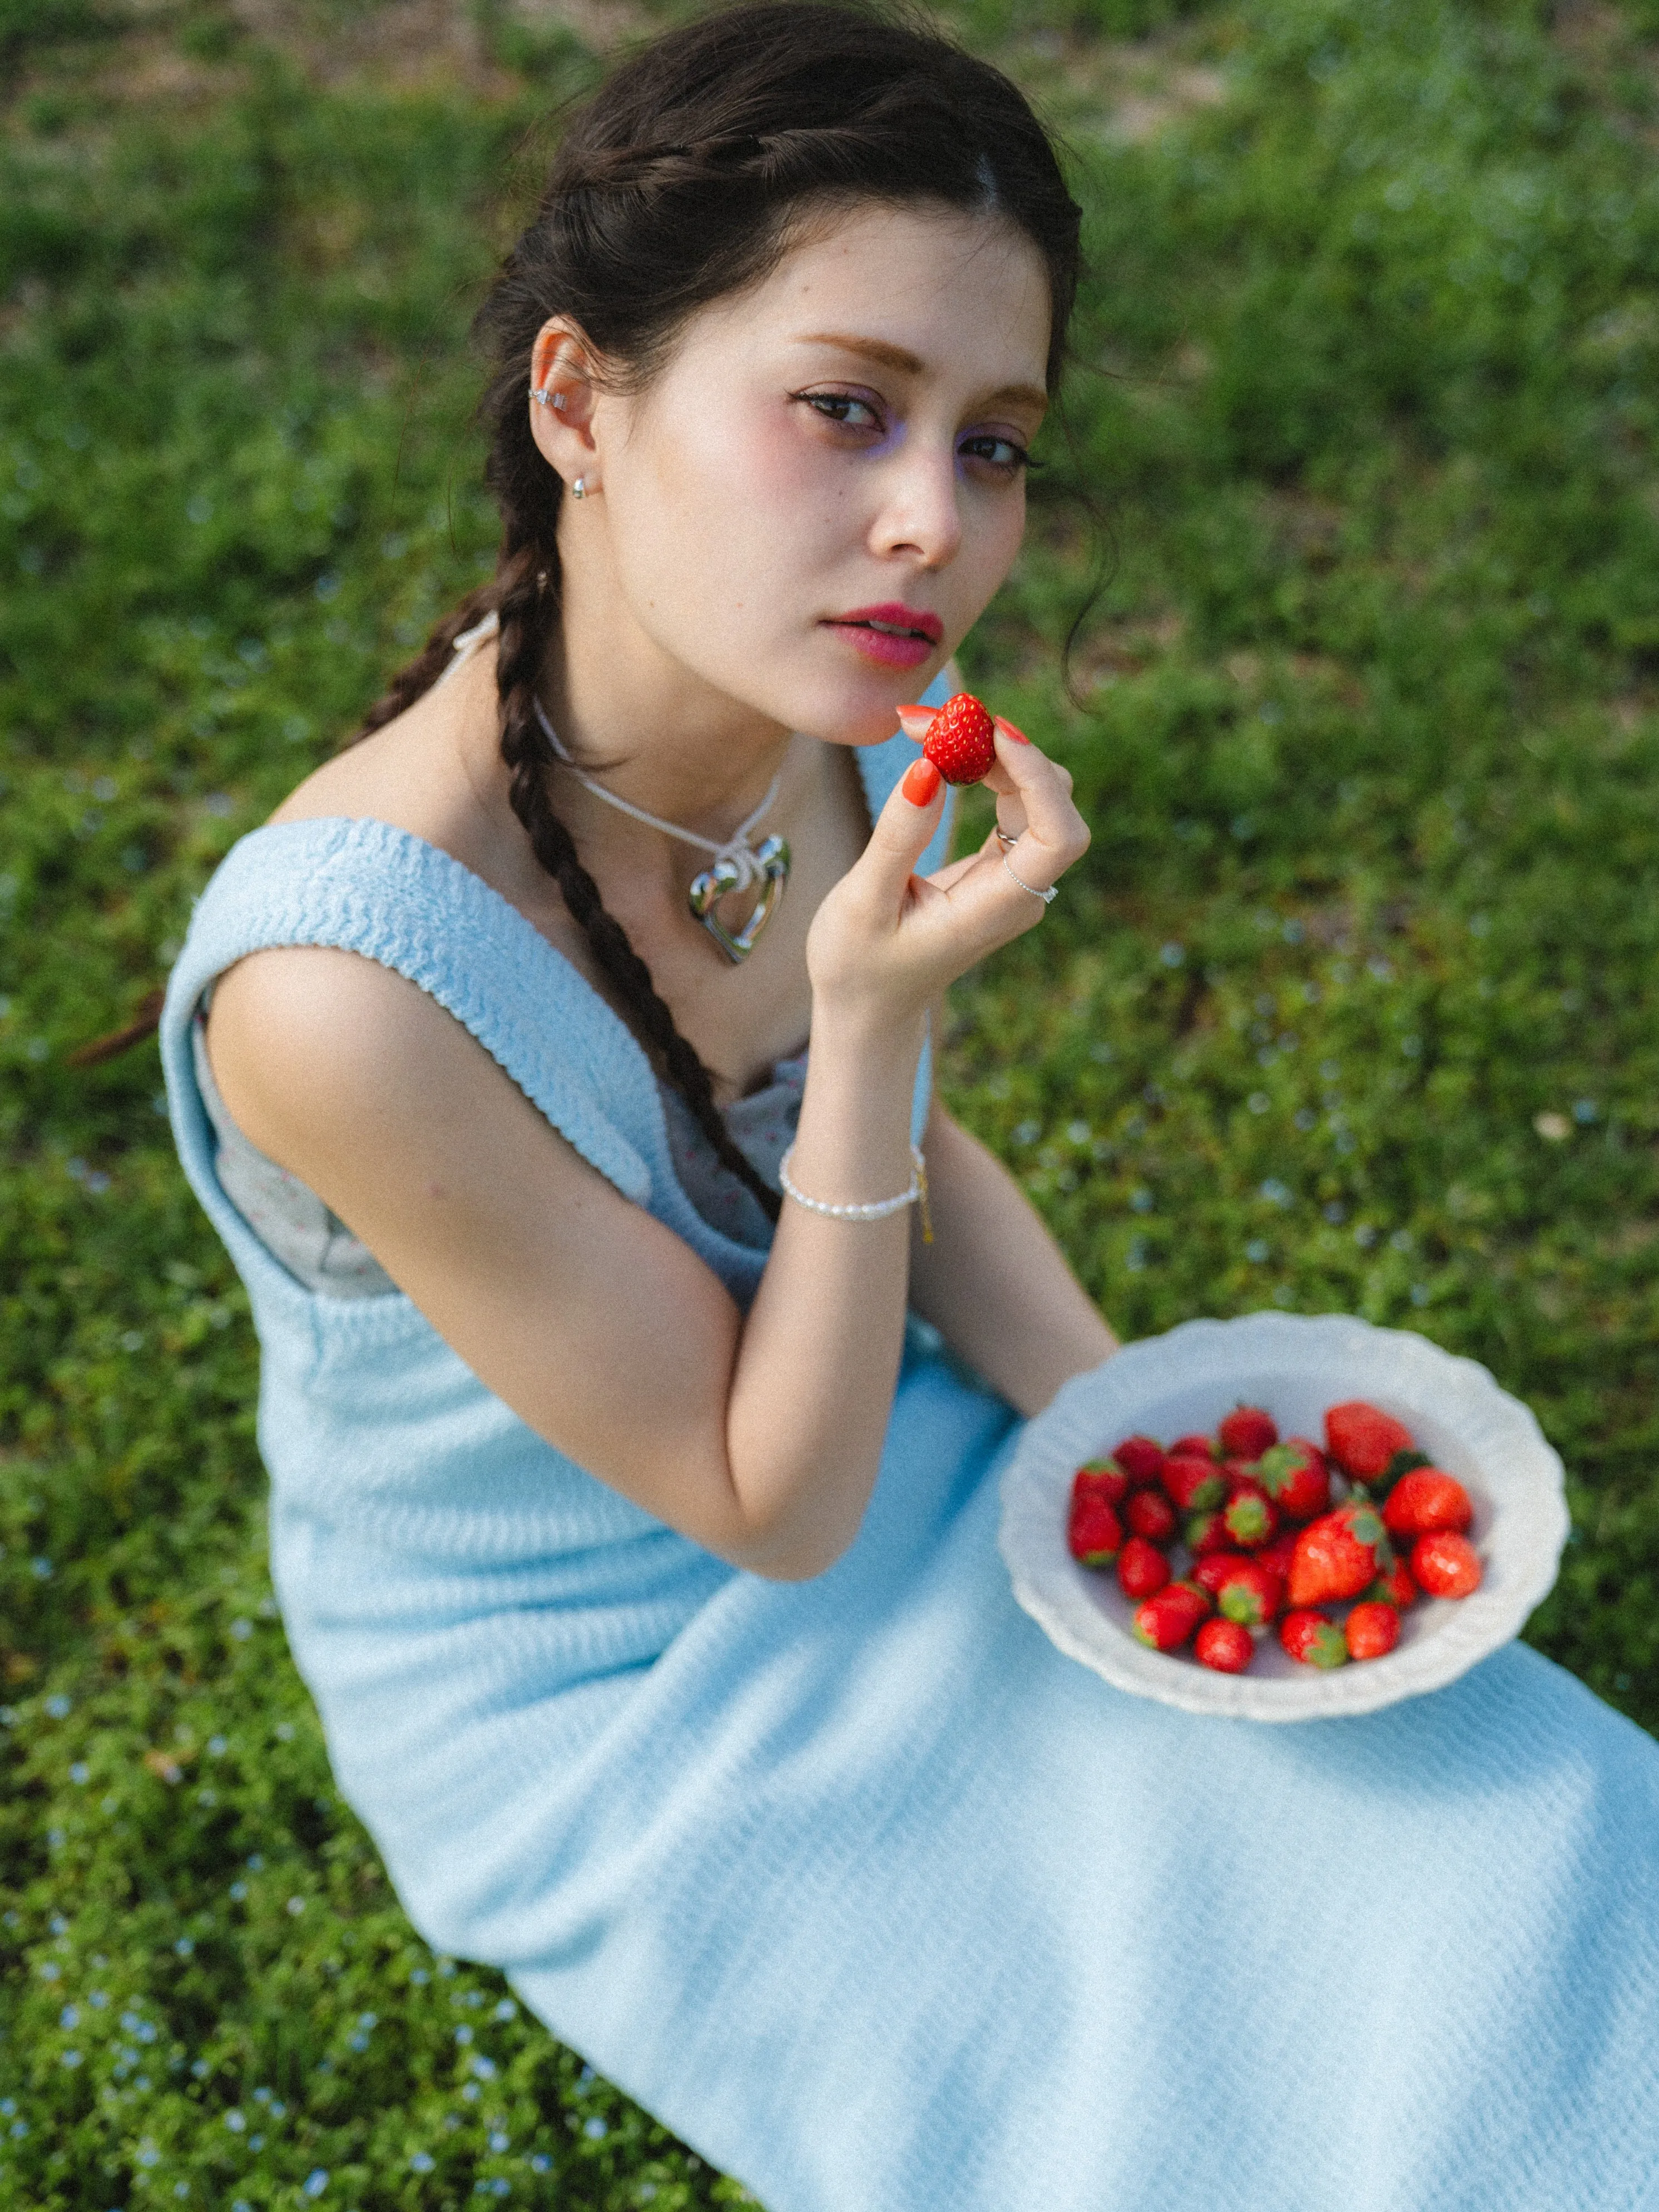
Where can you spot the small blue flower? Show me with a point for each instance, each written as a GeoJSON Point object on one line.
{"type": "Point", "coordinates": [1257, 1251]}
{"type": "Point", "coordinates": [540, 2162]}
{"type": "Point", "coordinates": [463, 2034]}
{"type": "Point", "coordinates": [59, 1707]}
{"type": "Point", "coordinates": [500, 2140]}
{"type": "Point", "coordinates": [1172, 955]}
{"type": "Point", "coordinates": [71, 2058]}
{"type": "Point", "coordinates": [70, 2017]}
{"type": "Point", "coordinates": [79, 1773]}
{"type": "Point", "coordinates": [422, 2161]}
{"type": "Point", "coordinates": [485, 2069]}
{"type": "Point", "coordinates": [596, 2129]}
{"type": "Point", "coordinates": [316, 2181]}
{"type": "Point", "coordinates": [1258, 1102]}
{"type": "Point", "coordinates": [1585, 1112]}
{"type": "Point", "coordinates": [236, 2120]}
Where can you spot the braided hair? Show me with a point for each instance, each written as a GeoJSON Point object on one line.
{"type": "Point", "coordinates": [684, 179]}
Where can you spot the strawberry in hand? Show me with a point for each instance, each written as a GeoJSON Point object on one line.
{"type": "Point", "coordinates": [961, 740]}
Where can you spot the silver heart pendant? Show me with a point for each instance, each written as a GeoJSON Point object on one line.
{"type": "Point", "coordinates": [707, 889]}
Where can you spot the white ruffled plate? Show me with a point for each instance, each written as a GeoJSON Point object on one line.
{"type": "Point", "coordinates": [1295, 1365]}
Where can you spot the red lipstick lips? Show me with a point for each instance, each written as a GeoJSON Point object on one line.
{"type": "Point", "coordinates": [896, 636]}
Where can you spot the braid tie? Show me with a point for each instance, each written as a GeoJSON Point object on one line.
{"type": "Point", "coordinates": [520, 605]}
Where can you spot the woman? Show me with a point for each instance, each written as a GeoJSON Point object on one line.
{"type": "Point", "coordinates": [638, 1548]}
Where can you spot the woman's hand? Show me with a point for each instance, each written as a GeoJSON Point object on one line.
{"type": "Point", "coordinates": [886, 942]}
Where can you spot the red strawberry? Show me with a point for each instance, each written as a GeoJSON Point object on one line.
{"type": "Point", "coordinates": [1424, 1500]}
{"type": "Point", "coordinates": [1141, 1568]}
{"type": "Point", "coordinates": [1363, 1440]}
{"type": "Point", "coordinates": [1446, 1564]}
{"type": "Point", "coordinates": [1225, 1645]}
{"type": "Point", "coordinates": [1396, 1588]}
{"type": "Point", "coordinates": [1249, 1517]}
{"type": "Point", "coordinates": [1194, 1484]}
{"type": "Point", "coordinates": [1141, 1459]}
{"type": "Point", "coordinates": [1167, 1620]}
{"type": "Point", "coordinates": [1193, 1447]}
{"type": "Point", "coordinates": [1249, 1592]}
{"type": "Point", "coordinates": [1211, 1570]}
{"type": "Point", "coordinates": [1247, 1432]}
{"type": "Point", "coordinates": [1206, 1532]}
{"type": "Point", "coordinates": [1294, 1476]}
{"type": "Point", "coordinates": [1150, 1514]}
{"type": "Point", "coordinates": [1094, 1535]}
{"type": "Point", "coordinates": [960, 740]}
{"type": "Point", "coordinates": [1339, 1554]}
{"type": "Point", "coordinates": [1101, 1478]}
{"type": "Point", "coordinates": [1279, 1554]}
{"type": "Point", "coordinates": [1371, 1631]}
{"type": "Point", "coordinates": [1311, 1639]}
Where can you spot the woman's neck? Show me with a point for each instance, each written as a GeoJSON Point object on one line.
{"type": "Point", "coordinates": [641, 725]}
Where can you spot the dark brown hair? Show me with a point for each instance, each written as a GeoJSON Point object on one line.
{"type": "Point", "coordinates": [683, 179]}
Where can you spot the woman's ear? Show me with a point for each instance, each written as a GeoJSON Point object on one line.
{"type": "Point", "coordinates": [561, 397]}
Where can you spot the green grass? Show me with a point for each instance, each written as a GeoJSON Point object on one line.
{"type": "Point", "coordinates": [1366, 719]}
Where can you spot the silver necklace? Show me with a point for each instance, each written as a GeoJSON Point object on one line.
{"type": "Point", "coordinates": [737, 866]}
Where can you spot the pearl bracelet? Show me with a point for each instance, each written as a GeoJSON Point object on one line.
{"type": "Point", "coordinates": [875, 1209]}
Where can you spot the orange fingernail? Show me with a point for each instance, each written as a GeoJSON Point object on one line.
{"type": "Point", "coordinates": [922, 781]}
{"type": "Point", "coordinates": [1018, 736]}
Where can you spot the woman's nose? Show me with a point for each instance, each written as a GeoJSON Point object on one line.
{"type": "Point", "coordinates": [919, 515]}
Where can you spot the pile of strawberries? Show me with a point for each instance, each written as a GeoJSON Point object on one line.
{"type": "Point", "coordinates": [1267, 1543]}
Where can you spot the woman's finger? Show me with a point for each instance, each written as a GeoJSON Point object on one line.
{"type": "Point", "coordinates": [901, 835]}
{"type": "Point", "coordinates": [1042, 790]}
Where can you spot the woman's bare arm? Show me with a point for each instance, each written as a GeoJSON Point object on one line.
{"type": "Point", "coordinates": [994, 1282]}
{"type": "Point", "coordinates": [757, 1436]}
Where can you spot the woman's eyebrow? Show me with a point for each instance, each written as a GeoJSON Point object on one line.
{"type": "Point", "coordinates": [910, 364]}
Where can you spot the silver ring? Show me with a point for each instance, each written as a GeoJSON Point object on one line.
{"type": "Point", "coordinates": [1047, 896]}
{"type": "Point", "coordinates": [1007, 842]}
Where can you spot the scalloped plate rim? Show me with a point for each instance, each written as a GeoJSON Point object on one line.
{"type": "Point", "coordinates": [1053, 1589]}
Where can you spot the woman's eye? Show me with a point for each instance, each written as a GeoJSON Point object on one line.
{"type": "Point", "coordinates": [844, 407]}
{"type": "Point", "coordinates": [1003, 454]}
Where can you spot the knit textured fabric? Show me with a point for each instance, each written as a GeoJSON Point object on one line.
{"type": "Point", "coordinates": [861, 1887]}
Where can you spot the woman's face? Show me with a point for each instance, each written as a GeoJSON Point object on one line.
{"type": "Point", "coordinates": [811, 504]}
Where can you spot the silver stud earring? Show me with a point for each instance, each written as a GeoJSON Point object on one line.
{"type": "Point", "coordinates": [547, 398]}
{"type": "Point", "coordinates": [579, 490]}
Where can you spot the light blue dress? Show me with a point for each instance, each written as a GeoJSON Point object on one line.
{"type": "Point", "coordinates": [859, 1884]}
